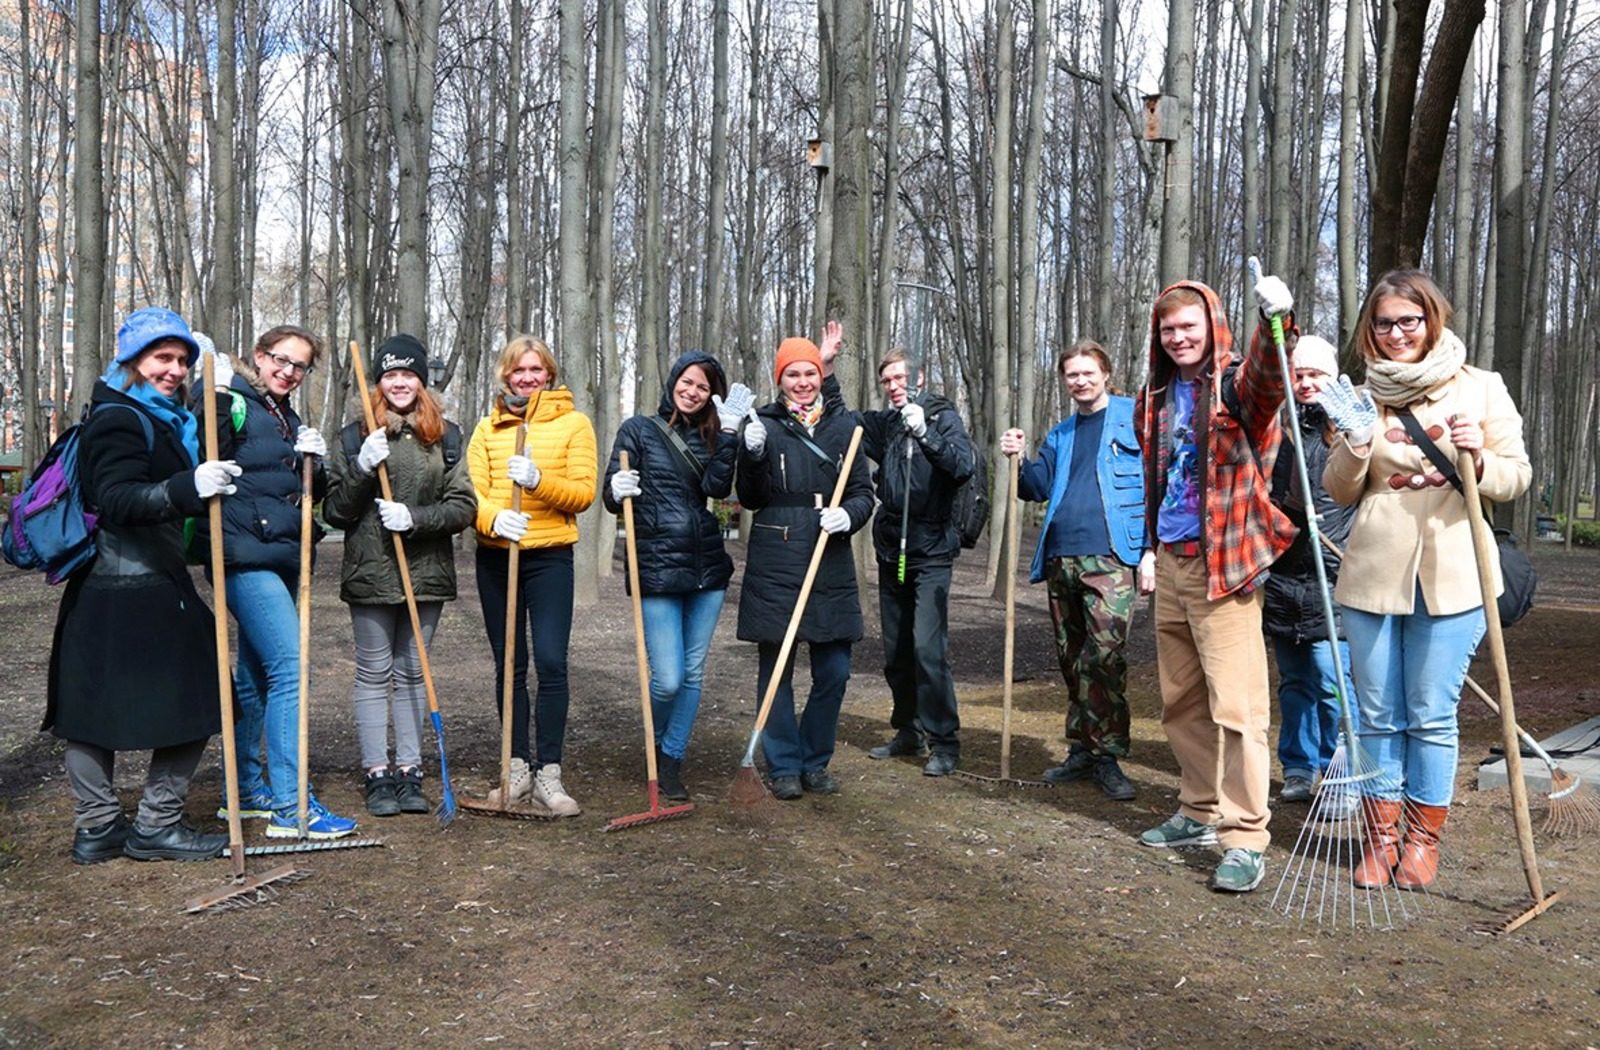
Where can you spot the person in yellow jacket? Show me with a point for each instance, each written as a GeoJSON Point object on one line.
{"type": "Point", "coordinates": [558, 475]}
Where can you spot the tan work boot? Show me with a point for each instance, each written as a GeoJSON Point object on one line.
{"type": "Point", "coordinates": [1382, 838]}
{"type": "Point", "coordinates": [1419, 856]}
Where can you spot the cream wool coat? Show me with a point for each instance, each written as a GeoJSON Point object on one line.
{"type": "Point", "coordinates": [561, 444]}
{"type": "Point", "coordinates": [1401, 537]}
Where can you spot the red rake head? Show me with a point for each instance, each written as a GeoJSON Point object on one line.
{"type": "Point", "coordinates": [649, 816]}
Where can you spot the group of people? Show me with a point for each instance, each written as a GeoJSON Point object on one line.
{"type": "Point", "coordinates": [1188, 492]}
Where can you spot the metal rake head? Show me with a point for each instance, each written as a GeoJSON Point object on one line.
{"type": "Point", "coordinates": [261, 889]}
{"type": "Point", "coordinates": [1571, 808]}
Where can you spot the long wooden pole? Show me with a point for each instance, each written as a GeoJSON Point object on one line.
{"type": "Point", "coordinates": [639, 644]}
{"type": "Point", "coordinates": [302, 813]}
{"type": "Point", "coordinates": [1013, 537]}
{"type": "Point", "coordinates": [219, 592]}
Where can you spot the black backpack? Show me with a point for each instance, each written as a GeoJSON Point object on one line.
{"type": "Point", "coordinates": [971, 510]}
{"type": "Point", "coordinates": [351, 437]}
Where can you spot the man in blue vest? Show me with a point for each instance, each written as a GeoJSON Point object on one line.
{"type": "Point", "coordinates": [1089, 476]}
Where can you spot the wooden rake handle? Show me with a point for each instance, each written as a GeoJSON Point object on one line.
{"type": "Point", "coordinates": [1013, 539]}
{"type": "Point", "coordinates": [303, 753]}
{"type": "Point", "coordinates": [219, 591]}
{"type": "Point", "coordinates": [789, 635]}
{"type": "Point", "coordinates": [638, 634]}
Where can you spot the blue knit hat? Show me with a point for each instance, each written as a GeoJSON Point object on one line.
{"type": "Point", "coordinates": [149, 325]}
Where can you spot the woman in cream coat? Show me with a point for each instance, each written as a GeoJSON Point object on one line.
{"type": "Point", "coordinates": [1413, 613]}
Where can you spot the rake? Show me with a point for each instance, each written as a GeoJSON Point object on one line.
{"type": "Point", "coordinates": [747, 788]}
{"type": "Point", "coordinates": [447, 799]}
{"type": "Point", "coordinates": [656, 813]}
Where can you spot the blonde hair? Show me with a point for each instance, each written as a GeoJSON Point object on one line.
{"type": "Point", "coordinates": [520, 345]}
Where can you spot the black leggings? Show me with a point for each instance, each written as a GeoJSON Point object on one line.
{"type": "Point", "coordinates": [544, 592]}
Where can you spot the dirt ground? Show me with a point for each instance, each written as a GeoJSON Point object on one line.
{"type": "Point", "coordinates": [904, 912]}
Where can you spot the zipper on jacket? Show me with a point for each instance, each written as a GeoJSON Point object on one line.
{"type": "Point", "coordinates": [779, 528]}
{"type": "Point", "coordinates": [783, 469]}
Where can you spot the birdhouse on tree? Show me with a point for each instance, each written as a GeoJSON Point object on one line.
{"type": "Point", "coordinates": [819, 154]}
{"type": "Point", "coordinates": [1160, 118]}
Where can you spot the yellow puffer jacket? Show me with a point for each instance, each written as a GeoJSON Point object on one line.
{"type": "Point", "coordinates": [561, 444]}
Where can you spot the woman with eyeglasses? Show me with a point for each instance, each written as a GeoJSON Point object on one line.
{"type": "Point", "coordinates": [259, 429]}
{"type": "Point", "coordinates": [1413, 613]}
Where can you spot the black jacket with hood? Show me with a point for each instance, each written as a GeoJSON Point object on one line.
{"type": "Point", "coordinates": [1293, 607]}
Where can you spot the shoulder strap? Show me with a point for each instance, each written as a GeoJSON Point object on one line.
{"type": "Point", "coordinates": [452, 445]}
{"type": "Point", "coordinates": [686, 454]}
{"type": "Point", "coordinates": [1429, 449]}
{"type": "Point", "coordinates": [144, 421]}
{"type": "Point", "coordinates": [805, 439]}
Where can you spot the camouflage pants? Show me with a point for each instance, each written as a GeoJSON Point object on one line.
{"type": "Point", "coordinates": [1091, 602]}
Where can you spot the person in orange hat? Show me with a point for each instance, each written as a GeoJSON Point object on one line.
{"type": "Point", "coordinates": [789, 460]}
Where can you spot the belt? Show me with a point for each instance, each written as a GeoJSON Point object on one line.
{"type": "Point", "coordinates": [1183, 548]}
{"type": "Point", "coordinates": [796, 499]}
{"type": "Point", "coordinates": [1432, 479]}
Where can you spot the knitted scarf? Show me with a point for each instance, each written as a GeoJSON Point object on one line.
{"type": "Point", "coordinates": [1397, 384]}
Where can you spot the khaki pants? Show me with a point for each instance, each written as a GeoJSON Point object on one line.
{"type": "Point", "coordinates": [1215, 703]}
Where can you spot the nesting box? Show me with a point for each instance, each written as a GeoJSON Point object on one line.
{"type": "Point", "coordinates": [1161, 118]}
{"type": "Point", "coordinates": [819, 154]}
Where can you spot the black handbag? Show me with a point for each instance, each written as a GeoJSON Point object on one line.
{"type": "Point", "coordinates": [1516, 571]}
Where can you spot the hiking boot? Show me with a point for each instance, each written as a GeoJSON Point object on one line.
{"type": "Point", "coordinates": [93, 845]}
{"type": "Point", "coordinates": [1112, 781]}
{"type": "Point", "coordinates": [408, 791]}
{"type": "Point", "coordinates": [819, 782]}
{"type": "Point", "coordinates": [548, 792]}
{"type": "Point", "coordinates": [1295, 789]}
{"type": "Point", "coordinates": [1381, 838]}
{"type": "Point", "coordinates": [1078, 765]}
{"type": "Point", "coordinates": [1419, 853]}
{"type": "Point", "coordinates": [786, 789]}
{"type": "Point", "coordinates": [1179, 830]}
{"type": "Point", "coordinates": [669, 777]}
{"type": "Point", "coordinates": [176, 841]}
{"type": "Point", "coordinates": [905, 743]}
{"type": "Point", "coordinates": [320, 824]}
{"type": "Point", "coordinates": [1241, 871]}
{"type": "Point", "coordinates": [521, 784]}
{"type": "Point", "coordinates": [940, 764]}
{"type": "Point", "coordinates": [380, 789]}
{"type": "Point", "coordinates": [255, 806]}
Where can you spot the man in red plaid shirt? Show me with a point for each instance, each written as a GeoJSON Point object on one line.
{"type": "Point", "coordinates": [1209, 427]}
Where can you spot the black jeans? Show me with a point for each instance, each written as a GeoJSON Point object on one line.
{"type": "Point", "coordinates": [916, 660]}
{"type": "Point", "coordinates": [544, 592]}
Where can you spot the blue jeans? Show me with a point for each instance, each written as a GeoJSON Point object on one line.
{"type": "Point", "coordinates": [1308, 731]}
{"type": "Point", "coordinates": [266, 683]}
{"type": "Point", "coordinates": [805, 746]}
{"type": "Point", "coordinates": [677, 635]}
{"type": "Point", "coordinates": [1409, 671]}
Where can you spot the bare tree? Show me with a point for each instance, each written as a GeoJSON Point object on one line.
{"type": "Point", "coordinates": [89, 209]}
{"type": "Point", "coordinates": [1178, 208]}
{"type": "Point", "coordinates": [410, 52]}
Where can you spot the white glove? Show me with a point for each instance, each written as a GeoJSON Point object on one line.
{"type": "Point", "coordinates": [915, 419]}
{"type": "Point", "coordinates": [511, 525]}
{"type": "Point", "coordinates": [310, 442]}
{"type": "Point", "coordinates": [396, 517]}
{"type": "Point", "coordinates": [1013, 442]}
{"type": "Point", "coordinates": [835, 520]}
{"type": "Point", "coordinates": [730, 410]}
{"type": "Point", "coordinates": [215, 477]}
{"type": "Point", "coordinates": [1272, 295]}
{"type": "Point", "coordinates": [1352, 411]}
{"type": "Point", "coordinates": [521, 470]}
{"type": "Point", "coordinates": [625, 485]}
{"type": "Point", "coordinates": [755, 435]}
{"type": "Point", "coordinates": [221, 364]}
{"type": "Point", "coordinates": [374, 450]}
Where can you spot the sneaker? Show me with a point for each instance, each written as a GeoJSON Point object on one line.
{"type": "Point", "coordinates": [521, 783]}
{"type": "Point", "coordinates": [1295, 789]}
{"type": "Point", "coordinates": [380, 790]}
{"type": "Point", "coordinates": [320, 824]}
{"type": "Point", "coordinates": [548, 792]}
{"type": "Point", "coordinates": [1241, 871]}
{"type": "Point", "coordinates": [255, 806]}
{"type": "Point", "coordinates": [408, 791]}
{"type": "Point", "coordinates": [904, 743]}
{"type": "Point", "coordinates": [1179, 830]}
{"type": "Point", "coordinates": [1112, 781]}
{"type": "Point", "coordinates": [1078, 765]}
{"type": "Point", "coordinates": [786, 789]}
{"type": "Point", "coordinates": [819, 782]}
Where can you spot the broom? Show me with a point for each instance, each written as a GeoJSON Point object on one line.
{"type": "Point", "coordinates": [656, 812]}
{"type": "Point", "coordinates": [747, 788]}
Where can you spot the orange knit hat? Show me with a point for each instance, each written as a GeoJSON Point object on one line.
{"type": "Point", "coordinates": [795, 349]}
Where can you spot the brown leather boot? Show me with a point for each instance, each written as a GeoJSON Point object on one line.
{"type": "Point", "coordinates": [1419, 856]}
{"type": "Point", "coordinates": [1382, 837]}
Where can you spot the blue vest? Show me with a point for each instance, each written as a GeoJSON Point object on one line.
{"type": "Point", "coordinates": [1119, 469]}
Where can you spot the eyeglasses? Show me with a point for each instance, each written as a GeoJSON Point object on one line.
{"type": "Point", "coordinates": [289, 364]}
{"type": "Point", "coordinates": [1408, 324]}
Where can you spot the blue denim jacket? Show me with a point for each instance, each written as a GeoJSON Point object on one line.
{"type": "Point", "coordinates": [1118, 468]}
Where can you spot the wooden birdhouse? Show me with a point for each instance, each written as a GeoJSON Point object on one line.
{"type": "Point", "coordinates": [1160, 118]}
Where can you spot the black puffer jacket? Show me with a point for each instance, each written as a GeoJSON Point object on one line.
{"type": "Point", "coordinates": [940, 462]}
{"type": "Point", "coordinates": [784, 487]}
{"type": "Point", "coordinates": [679, 540]}
{"type": "Point", "coordinates": [1293, 607]}
{"type": "Point", "coordinates": [261, 521]}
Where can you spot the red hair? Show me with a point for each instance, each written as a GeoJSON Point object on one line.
{"type": "Point", "coordinates": [427, 422]}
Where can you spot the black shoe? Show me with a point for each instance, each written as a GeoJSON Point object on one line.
{"type": "Point", "coordinates": [408, 791]}
{"type": "Point", "coordinates": [786, 789]}
{"type": "Point", "coordinates": [383, 798]}
{"type": "Point", "coordinates": [1109, 776]}
{"type": "Point", "coordinates": [819, 782]}
{"type": "Point", "coordinates": [904, 743]}
{"type": "Point", "coordinates": [669, 777]}
{"type": "Point", "coordinates": [93, 845]}
{"type": "Point", "coordinates": [174, 842]}
{"type": "Point", "coordinates": [1078, 765]}
{"type": "Point", "coordinates": [940, 764]}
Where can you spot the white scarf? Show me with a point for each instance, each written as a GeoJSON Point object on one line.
{"type": "Point", "coordinates": [1397, 384]}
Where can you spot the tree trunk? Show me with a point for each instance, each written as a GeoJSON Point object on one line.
{"type": "Point", "coordinates": [1349, 157]}
{"type": "Point", "coordinates": [28, 350]}
{"type": "Point", "coordinates": [826, 98]}
{"type": "Point", "coordinates": [1178, 206]}
{"type": "Point", "coordinates": [652, 334]}
{"type": "Point", "coordinates": [1462, 256]}
{"type": "Point", "coordinates": [516, 321]}
{"type": "Point", "coordinates": [610, 75]}
{"type": "Point", "coordinates": [888, 221]}
{"type": "Point", "coordinates": [1000, 278]}
{"type": "Point", "coordinates": [410, 53]}
{"type": "Point", "coordinates": [1027, 278]}
{"type": "Point", "coordinates": [1511, 198]}
{"type": "Point", "coordinates": [1279, 174]}
{"type": "Point", "coordinates": [1110, 139]}
{"type": "Point", "coordinates": [716, 218]}
{"type": "Point", "coordinates": [89, 210]}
